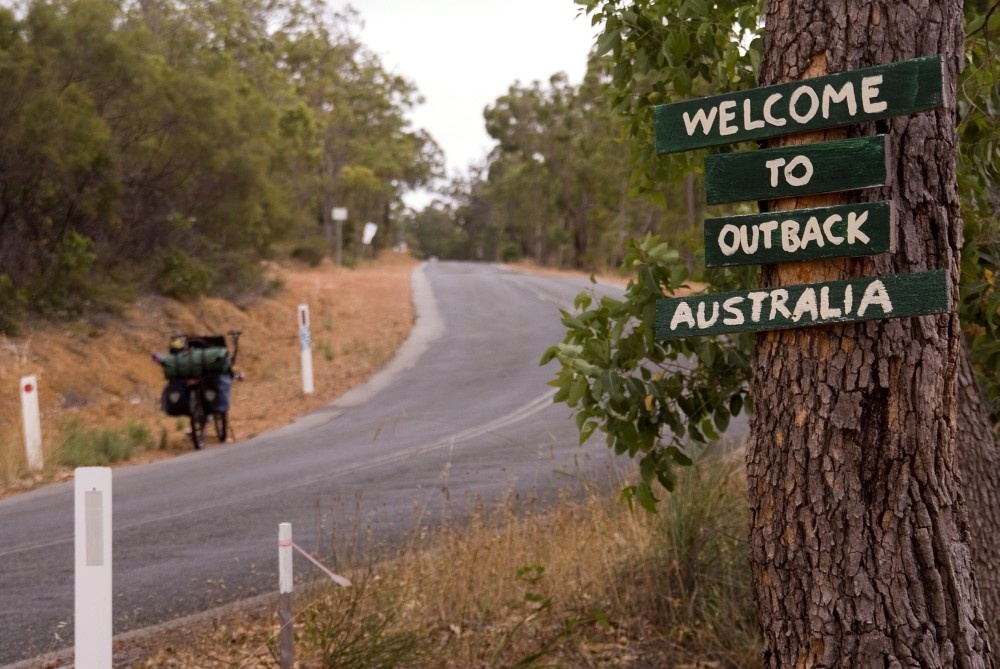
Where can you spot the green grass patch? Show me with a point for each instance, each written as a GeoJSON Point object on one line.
{"type": "Point", "coordinates": [84, 447]}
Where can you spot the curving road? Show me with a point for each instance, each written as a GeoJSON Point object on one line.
{"type": "Point", "coordinates": [463, 413]}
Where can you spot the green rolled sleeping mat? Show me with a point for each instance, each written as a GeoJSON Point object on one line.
{"type": "Point", "coordinates": [194, 363]}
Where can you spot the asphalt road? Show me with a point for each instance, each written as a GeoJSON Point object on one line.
{"type": "Point", "coordinates": [461, 415]}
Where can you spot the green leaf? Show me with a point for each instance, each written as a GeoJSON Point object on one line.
{"type": "Point", "coordinates": [644, 495]}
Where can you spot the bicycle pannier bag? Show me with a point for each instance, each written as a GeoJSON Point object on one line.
{"type": "Point", "coordinates": [175, 400]}
{"type": "Point", "coordinates": [215, 389]}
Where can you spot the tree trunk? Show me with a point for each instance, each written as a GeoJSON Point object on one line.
{"type": "Point", "coordinates": [859, 541]}
{"type": "Point", "coordinates": [979, 464]}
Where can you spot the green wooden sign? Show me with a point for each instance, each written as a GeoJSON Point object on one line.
{"type": "Point", "coordinates": [791, 171]}
{"type": "Point", "coordinates": [867, 298]}
{"type": "Point", "coordinates": [832, 100]}
{"type": "Point", "coordinates": [799, 234]}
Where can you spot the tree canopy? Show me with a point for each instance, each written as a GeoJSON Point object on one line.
{"type": "Point", "coordinates": [170, 145]}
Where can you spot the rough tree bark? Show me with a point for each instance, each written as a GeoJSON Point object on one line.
{"type": "Point", "coordinates": [859, 540]}
{"type": "Point", "coordinates": [979, 464]}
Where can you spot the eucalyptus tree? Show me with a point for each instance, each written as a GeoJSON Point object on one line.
{"type": "Point", "coordinates": [367, 152]}
{"type": "Point", "coordinates": [559, 177]}
{"type": "Point", "coordinates": [858, 535]}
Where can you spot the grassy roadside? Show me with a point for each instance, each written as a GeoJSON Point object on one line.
{"type": "Point", "coordinates": [589, 583]}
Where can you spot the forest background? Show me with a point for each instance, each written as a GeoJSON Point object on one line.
{"type": "Point", "coordinates": [171, 147]}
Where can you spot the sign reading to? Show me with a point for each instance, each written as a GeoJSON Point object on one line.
{"type": "Point", "coordinates": [822, 102]}
{"type": "Point", "coordinates": [800, 234]}
{"type": "Point", "coordinates": [791, 171]}
{"type": "Point", "coordinates": [867, 298]}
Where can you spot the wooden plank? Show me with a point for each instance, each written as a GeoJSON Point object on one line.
{"type": "Point", "coordinates": [792, 171]}
{"type": "Point", "coordinates": [799, 234]}
{"type": "Point", "coordinates": [867, 298]}
{"type": "Point", "coordinates": [829, 101]}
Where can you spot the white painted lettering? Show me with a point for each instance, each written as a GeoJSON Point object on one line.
{"type": "Point", "coordinates": [748, 122]}
{"type": "Point", "coordinates": [773, 165]}
{"type": "Point", "coordinates": [727, 114]}
{"type": "Point", "coordinates": [769, 116]}
{"type": "Point", "coordinates": [729, 248]}
{"type": "Point", "coordinates": [682, 316]}
{"type": "Point", "coordinates": [794, 100]}
{"type": "Point", "coordinates": [828, 229]}
{"type": "Point", "coordinates": [707, 322]}
{"type": "Point", "coordinates": [766, 229]}
{"type": "Point", "coordinates": [846, 94]}
{"type": "Point", "coordinates": [700, 118]}
{"type": "Point", "coordinates": [790, 236]}
{"type": "Point", "coordinates": [749, 247]}
{"type": "Point", "coordinates": [876, 294]}
{"type": "Point", "coordinates": [869, 91]}
{"type": "Point", "coordinates": [735, 316]}
{"type": "Point", "coordinates": [854, 223]}
{"type": "Point", "coordinates": [806, 304]}
{"type": "Point", "coordinates": [811, 233]}
{"type": "Point", "coordinates": [779, 298]}
{"type": "Point", "coordinates": [848, 299]}
{"type": "Point", "coordinates": [756, 298]}
{"type": "Point", "coordinates": [806, 176]}
{"type": "Point", "coordinates": [825, 312]}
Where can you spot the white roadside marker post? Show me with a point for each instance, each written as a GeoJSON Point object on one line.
{"type": "Point", "coordinates": [286, 636]}
{"type": "Point", "coordinates": [32, 421]}
{"type": "Point", "coordinates": [93, 595]}
{"type": "Point", "coordinates": [305, 344]}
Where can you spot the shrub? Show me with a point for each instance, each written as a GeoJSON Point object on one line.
{"type": "Point", "coordinates": [310, 251]}
{"type": "Point", "coordinates": [180, 276]}
{"type": "Point", "coordinates": [510, 253]}
{"type": "Point", "coordinates": [82, 447]}
{"type": "Point", "coordinates": [12, 306]}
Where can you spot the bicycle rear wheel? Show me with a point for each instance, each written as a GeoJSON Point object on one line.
{"type": "Point", "coordinates": [198, 421]}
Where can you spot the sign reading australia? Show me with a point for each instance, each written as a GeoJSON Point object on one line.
{"type": "Point", "coordinates": [868, 298]}
{"type": "Point", "coordinates": [833, 100]}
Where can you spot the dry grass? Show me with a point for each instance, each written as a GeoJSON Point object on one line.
{"type": "Point", "coordinates": [98, 374]}
{"type": "Point", "coordinates": [588, 583]}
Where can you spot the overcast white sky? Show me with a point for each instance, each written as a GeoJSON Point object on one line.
{"type": "Point", "coordinates": [464, 54]}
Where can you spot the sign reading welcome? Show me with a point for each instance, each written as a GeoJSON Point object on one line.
{"type": "Point", "coordinates": [798, 170]}
{"type": "Point", "coordinates": [822, 102]}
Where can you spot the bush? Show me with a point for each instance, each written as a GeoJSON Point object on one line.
{"type": "Point", "coordinates": [82, 447]}
{"type": "Point", "coordinates": [12, 306]}
{"type": "Point", "coordinates": [65, 290]}
{"type": "Point", "coordinates": [310, 251]}
{"type": "Point", "coordinates": [353, 628]}
{"type": "Point", "coordinates": [510, 253]}
{"type": "Point", "coordinates": [180, 276]}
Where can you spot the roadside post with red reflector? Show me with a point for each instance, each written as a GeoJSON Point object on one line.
{"type": "Point", "coordinates": [32, 420]}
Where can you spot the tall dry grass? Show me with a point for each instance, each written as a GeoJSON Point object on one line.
{"type": "Point", "coordinates": [588, 583]}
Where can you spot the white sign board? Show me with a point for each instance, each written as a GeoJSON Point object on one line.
{"type": "Point", "coordinates": [339, 213]}
{"type": "Point", "coordinates": [368, 234]}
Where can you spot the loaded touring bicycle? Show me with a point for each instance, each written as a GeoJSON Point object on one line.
{"type": "Point", "coordinates": [199, 372]}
